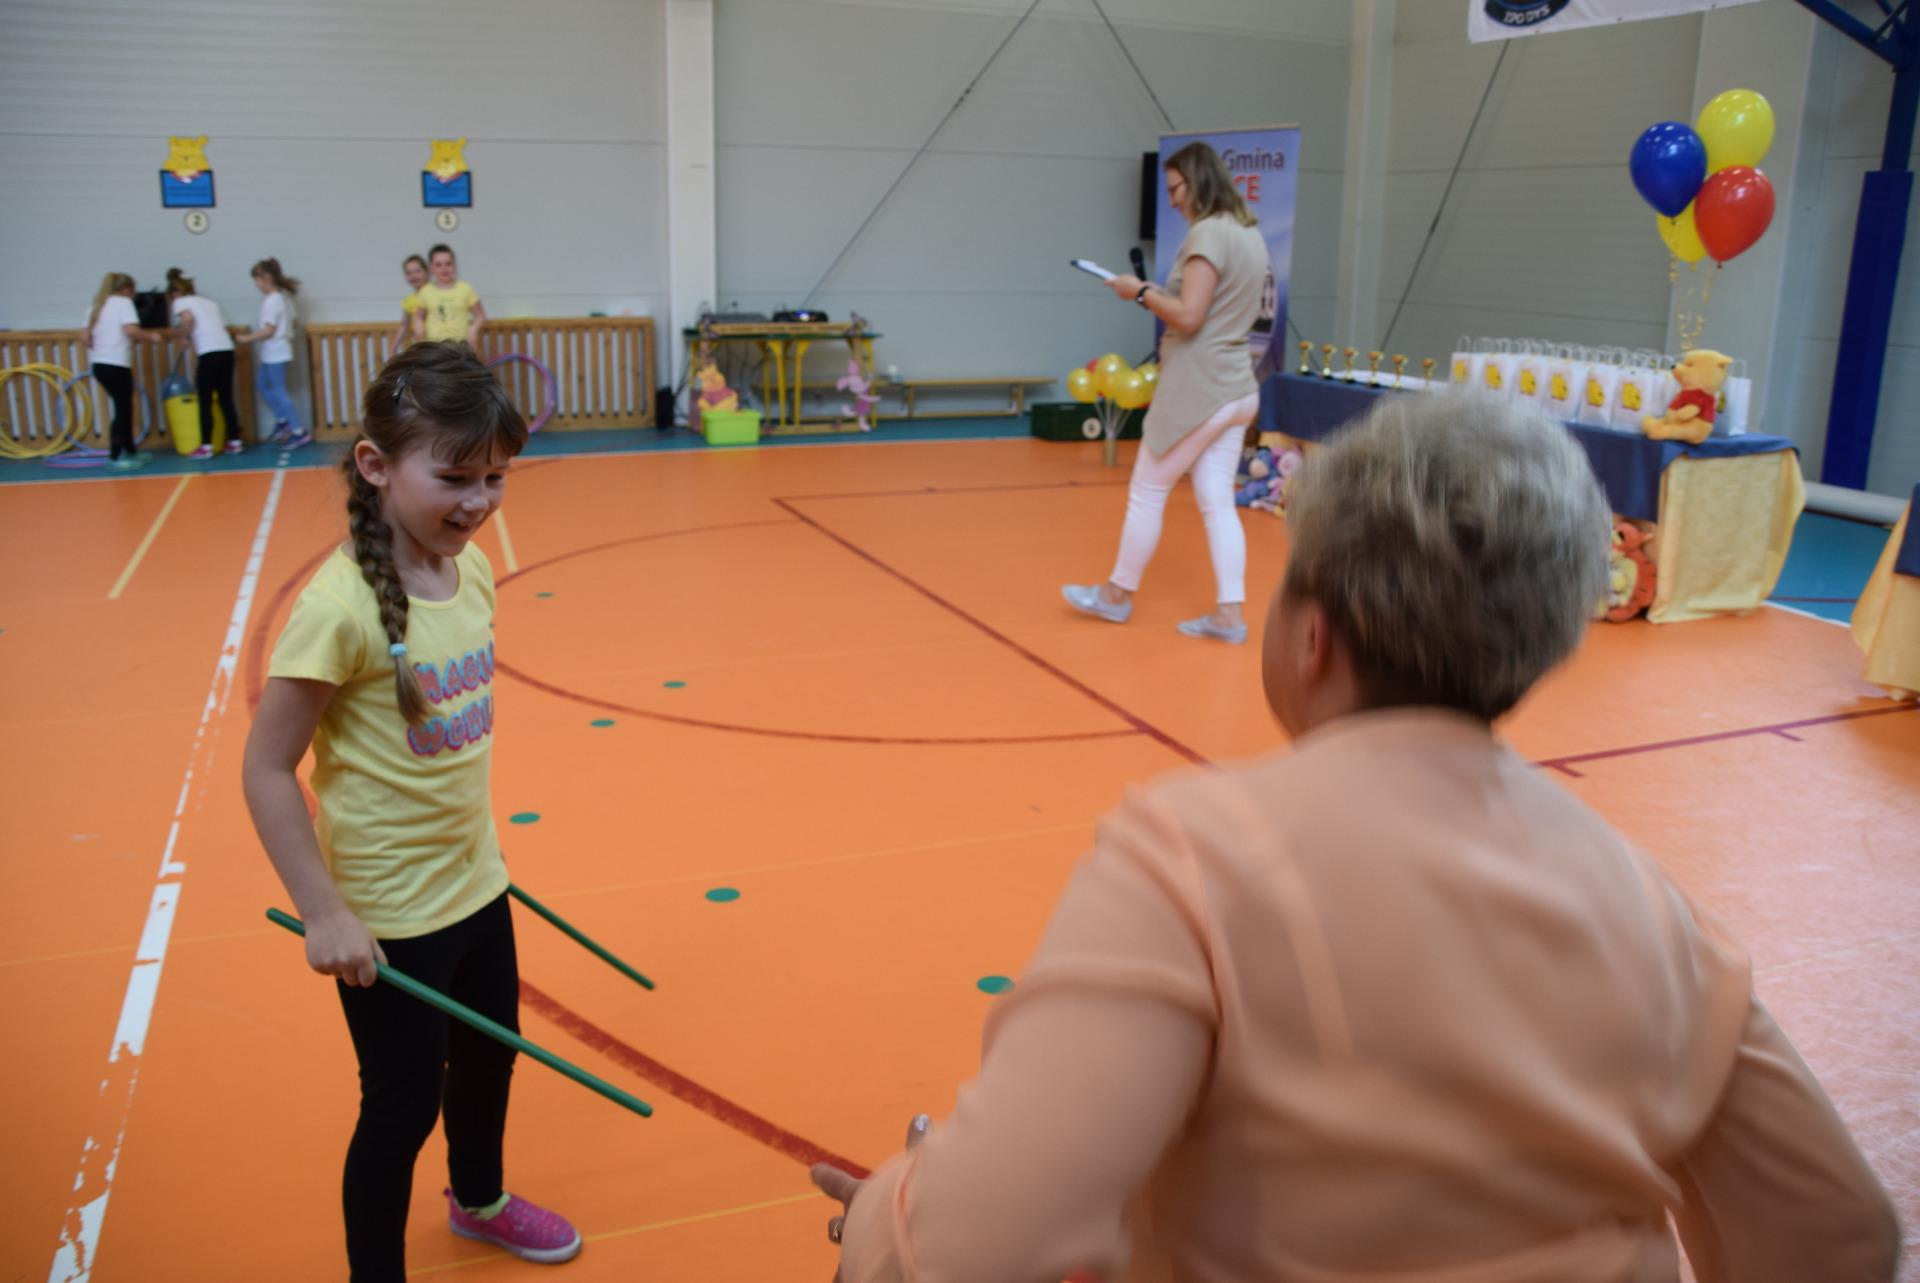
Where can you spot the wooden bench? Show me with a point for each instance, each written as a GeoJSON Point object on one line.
{"type": "Point", "coordinates": [1016, 394]}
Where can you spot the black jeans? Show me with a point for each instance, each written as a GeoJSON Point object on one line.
{"type": "Point", "coordinates": [417, 1065]}
{"type": "Point", "coordinates": [213, 377]}
{"type": "Point", "coordinates": [118, 381]}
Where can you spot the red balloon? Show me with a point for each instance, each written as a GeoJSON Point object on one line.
{"type": "Point", "coordinates": [1733, 210]}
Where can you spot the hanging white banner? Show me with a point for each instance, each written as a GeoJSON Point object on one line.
{"type": "Point", "coordinates": [1503, 19]}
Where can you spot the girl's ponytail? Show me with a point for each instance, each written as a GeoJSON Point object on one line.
{"type": "Point", "coordinates": [179, 284]}
{"type": "Point", "coordinates": [442, 397]}
{"type": "Point", "coordinates": [110, 284]}
{"type": "Point", "coordinates": [270, 268]}
{"type": "Point", "coordinates": [373, 549]}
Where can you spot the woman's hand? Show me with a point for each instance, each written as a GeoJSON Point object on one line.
{"type": "Point", "coordinates": [835, 1183]}
{"type": "Point", "coordinates": [339, 944]}
{"type": "Point", "coordinates": [1126, 287]}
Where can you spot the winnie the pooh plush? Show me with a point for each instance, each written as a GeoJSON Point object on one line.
{"type": "Point", "coordinates": [1689, 415]}
{"type": "Point", "coordinates": [715, 395]}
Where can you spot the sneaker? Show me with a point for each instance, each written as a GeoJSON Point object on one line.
{"type": "Point", "coordinates": [530, 1233]}
{"type": "Point", "coordinates": [295, 438]}
{"type": "Point", "coordinates": [1205, 627]}
{"type": "Point", "coordinates": [201, 452]}
{"type": "Point", "coordinates": [280, 429]}
{"type": "Point", "coordinates": [235, 447]}
{"type": "Point", "coordinates": [128, 462]}
{"type": "Point", "coordinates": [1086, 597]}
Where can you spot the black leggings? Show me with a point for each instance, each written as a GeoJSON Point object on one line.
{"type": "Point", "coordinates": [408, 1052]}
{"type": "Point", "coordinates": [213, 377]}
{"type": "Point", "coordinates": [118, 381]}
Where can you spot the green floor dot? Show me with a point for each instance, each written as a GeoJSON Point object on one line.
{"type": "Point", "coordinates": [673, 686]}
{"type": "Point", "coordinates": [601, 721]}
{"type": "Point", "coordinates": [524, 817]}
{"type": "Point", "coordinates": [993, 984]}
{"type": "Point", "coordinates": [543, 594]}
{"type": "Point", "coordinates": [723, 895]}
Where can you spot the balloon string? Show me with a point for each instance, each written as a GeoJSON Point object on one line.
{"type": "Point", "coordinates": [1691, 318]}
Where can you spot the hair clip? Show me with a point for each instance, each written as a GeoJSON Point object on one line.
{"type": "Point", "coordinates": [397, 649]}
{"type": "Point", "coordinates": [400, 384]}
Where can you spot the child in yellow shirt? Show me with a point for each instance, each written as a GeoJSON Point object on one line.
{"type": "Point", "coordinates": [449, 307]}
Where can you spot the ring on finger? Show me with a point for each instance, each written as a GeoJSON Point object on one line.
{"type": "Point", "coordinates": [834, 1227]}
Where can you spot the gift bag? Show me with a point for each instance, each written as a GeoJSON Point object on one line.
{"type": "Point", "coordinates": [1736, 397]}
{"type": "Point", "coordinates": [1565, 381]}
{"type": "Point", "coordinates": [1638, 393]}
{"type": "Point", "coordinates": [1469, 359]}
{"type": "Point", "coordinates": [1501, 369]}
{"type": "Point", "coordinates": [1530, 373]}
{"type": "Point", "coordinates": [1600, 388]}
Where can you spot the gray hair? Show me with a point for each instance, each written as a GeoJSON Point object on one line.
{"type": "Point", "coordinates": [1458, 543]}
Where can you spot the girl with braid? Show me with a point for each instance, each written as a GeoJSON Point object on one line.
{"type": "Point", "coordinates": [385, 667]}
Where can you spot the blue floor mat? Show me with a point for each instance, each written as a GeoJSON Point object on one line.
{"type": "Point", "coordinates": [1829, 563]}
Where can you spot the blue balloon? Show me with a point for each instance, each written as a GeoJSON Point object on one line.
{"type": "Point", "coordinates": [1668, 164]}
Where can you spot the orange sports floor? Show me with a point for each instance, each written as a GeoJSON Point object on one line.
{"type": "Point", "coordinates": [837, 680]}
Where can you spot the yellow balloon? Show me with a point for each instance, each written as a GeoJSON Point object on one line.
{"type": "Point", "coordinates": [1737, 127]}
{"type": "Point", "coordinates": [1681, 237]}
{"type": "Point", "coordinates": [1129, 391]}
{"type": "Point", "coordinates": [1151, 373]}
{"type": "Point", "coordinates": [1104, 371]}
{"type": "Point", "coordinates": [1080, 386]}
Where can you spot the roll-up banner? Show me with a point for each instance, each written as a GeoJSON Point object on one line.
{"type": "Point", "coordinates": [1263, 163]}
{"type": "Point", "coordinates": [1503, 19]}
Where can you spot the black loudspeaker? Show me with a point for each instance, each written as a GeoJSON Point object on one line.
{"type": "Point", "coordinates": [1072, 421]}
{"type": "Point", "coordinates": [151, 307]}
{"type": "Point", "coordinates": [1149, 194]}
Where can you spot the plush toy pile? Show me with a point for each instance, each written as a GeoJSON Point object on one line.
{"type": "Point", "coordinates": [1262, 480]}
{"type": "Point", "coordinates": [1630, 575]}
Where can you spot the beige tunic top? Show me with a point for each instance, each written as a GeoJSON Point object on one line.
{"type": "Point", "coordinates": [1202, 371]}
{"type": "Point", "coordinates": [1394, 1006]}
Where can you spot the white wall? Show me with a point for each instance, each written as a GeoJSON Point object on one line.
{"type": "Point", "coordinates": [822, 102]}
{"type": "Point", "coordinates": [319, 114]}
{"type": "Point", "coordinates": [1544, 235]}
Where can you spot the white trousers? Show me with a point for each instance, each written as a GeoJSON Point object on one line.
{"type": "Point", "coordinates": [1212, 453]}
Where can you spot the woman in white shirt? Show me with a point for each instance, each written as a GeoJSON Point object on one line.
{"type": "Point", "coordinates": [200, 320]}
{"type": "Point", "coordinates": [109, 334]}
{"type": "Point", "coordinates": [274, 334]}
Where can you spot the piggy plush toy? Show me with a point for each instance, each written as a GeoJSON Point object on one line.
{"type": "Point", "coordinates": [857, 383]}
{"type": "Point", "coordinates": [1689, 415]}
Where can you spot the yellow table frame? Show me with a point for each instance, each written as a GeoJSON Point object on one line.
{"type": "Point", "coordinates": [777, 343]}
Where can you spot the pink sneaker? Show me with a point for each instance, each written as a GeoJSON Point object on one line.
{"type": "Point", "coordinates": [530, 1233]}
{"type": "Point", "coordinates": [235, 447]}
{"type": "Point", "coordinates": [201, 452]}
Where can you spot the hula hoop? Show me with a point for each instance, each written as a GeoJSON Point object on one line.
{"type": "Point", "coordinates": [11, 448]}
{"type": "Point", "coordinates": [553, 387]}
{"type": "Point", "coordinates": [93, 456]}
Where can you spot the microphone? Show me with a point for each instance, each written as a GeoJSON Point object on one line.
{"type": "Point", "coordinates": [1139, 262]}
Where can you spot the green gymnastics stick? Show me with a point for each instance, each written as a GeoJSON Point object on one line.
{"type": "Point", "coordinates": [578, 935]}
{"type": "Point", "coordinates": [491, 1028]}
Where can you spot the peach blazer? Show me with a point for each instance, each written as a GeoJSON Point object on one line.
{"type": "Point", "coordinates": [1392, 1006]}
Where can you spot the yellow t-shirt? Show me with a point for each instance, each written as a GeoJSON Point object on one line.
{"type": "Point", "coordinates": [449, 311]}
{"type": "Point", "coordinates": [411, 303]}
{"type": "Point", "coordinates": [406, 821]}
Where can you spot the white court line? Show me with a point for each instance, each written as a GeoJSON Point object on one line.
{"type": "Point", "coordinates": [80, 1232]}
{"type": "Point", "coordinates": [1808, 614]}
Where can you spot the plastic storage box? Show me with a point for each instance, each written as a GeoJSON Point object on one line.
{"type": "Point", "coordinates": [730, 427]}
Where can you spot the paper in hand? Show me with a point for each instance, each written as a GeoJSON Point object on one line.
{"type": "Point", "coordinates": [1092, 268]}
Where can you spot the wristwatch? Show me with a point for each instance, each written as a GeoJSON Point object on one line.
{"type": "Point", "coordinates": [1141, 297]}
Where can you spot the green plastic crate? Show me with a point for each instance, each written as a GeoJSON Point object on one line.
{"type": "Point", "coordinates": [1072, 421]}
{"type": "Point", "coordinates": [730, 427]}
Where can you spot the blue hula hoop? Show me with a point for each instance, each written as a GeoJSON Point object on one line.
{"type": "Point", "coordinates": [92, 456]}
{"type": "Point", "coordinates": [553, 386]}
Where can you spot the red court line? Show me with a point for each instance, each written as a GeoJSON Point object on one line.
{"type": "Point", "coordinates": [1563, 764]}
{"type": "Point", "coordinates": [683, 1088]}
{"type": "Point", "coordinates": [1139, 724]}
{"type": "Point", "coordinates": [927, 490]}
{"type": "Point", "coordinates": [256, 669]}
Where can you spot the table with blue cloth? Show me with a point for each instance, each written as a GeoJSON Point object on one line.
{"type": "Point", "coordinates": [1723, 510]}
{"type": "Point", "coordinates": [1886, 620]}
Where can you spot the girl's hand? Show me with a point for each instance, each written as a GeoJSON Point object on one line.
{"type": "Point", "coordinates": [835, 1183]}
{"type": "Point", "coordinates": [340, 945]}
{"type": "Point", "coordinates": [1125, 287]}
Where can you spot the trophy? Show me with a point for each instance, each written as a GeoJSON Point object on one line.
{"type": "Point", "coordinates": [1398, 361]}
{"type": "Point", "coordinates": [1426, 369]}
{"type": "Point", "coordinates": [1326, 360]}
{"type": "Point", "coordinates": [1373, 368]}
{"type": "Point", "coordinates": [1306, 367]}
{"type": "Point", "coordinates": [1347, 375]}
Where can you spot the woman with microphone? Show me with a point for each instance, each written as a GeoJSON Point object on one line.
{"type": "Point", "coordinates": [1206, 397]}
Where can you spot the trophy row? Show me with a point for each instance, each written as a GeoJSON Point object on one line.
{"type": "Point", "coordinates": [1372, 374]}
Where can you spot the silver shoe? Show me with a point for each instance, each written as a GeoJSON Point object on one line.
{"type": "Point", "coordinates": [1205, 627]}
{"type": "Point", "coordinates": [1086, 598]}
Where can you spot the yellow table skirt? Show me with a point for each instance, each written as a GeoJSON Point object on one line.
{"type": "Point", "coordinates": [1886, 622]}
{"type": "Point", "coordinates": [1725, 527]}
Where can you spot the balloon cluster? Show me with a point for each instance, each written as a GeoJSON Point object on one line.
{"type": "Point", "coordinates": [1710, 200]}
{"type": "Point", "coordinates": [1110, 377]}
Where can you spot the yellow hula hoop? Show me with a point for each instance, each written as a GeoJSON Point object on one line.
{"type": "Point", "coordinates": [71, 430]}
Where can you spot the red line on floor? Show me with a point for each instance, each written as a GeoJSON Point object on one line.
{"type": "Point", "coordinates": [1563, 764]}
{"type": "Point", "coordinates": [1138, 723]}
{"type": "Point", "coordinates": [683, 1088]}
{"type": "Point", "coordinates": [927, 490]}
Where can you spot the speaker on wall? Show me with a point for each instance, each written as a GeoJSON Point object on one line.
{"type": "Point", "coordinates": [1149, 193]}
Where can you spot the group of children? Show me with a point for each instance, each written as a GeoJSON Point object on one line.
{"type": "Point", "coordinates": [441, 307]}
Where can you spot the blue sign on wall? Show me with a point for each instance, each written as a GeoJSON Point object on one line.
{"type": "Point", "coordinates": [197, 194]}
{"type": "Point", "coordinates": [456, 191]}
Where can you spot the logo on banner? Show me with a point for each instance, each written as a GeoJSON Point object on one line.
{"type": "Point", "coordinates": [1523, 13]}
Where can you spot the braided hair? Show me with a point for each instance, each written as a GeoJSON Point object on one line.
{"type": "Point", "coordinates": [443, 397]}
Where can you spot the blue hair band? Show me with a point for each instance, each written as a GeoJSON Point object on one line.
{"type": "Point", "coordinates": [398, 648]}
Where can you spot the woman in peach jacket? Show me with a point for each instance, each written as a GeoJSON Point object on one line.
{"type": "Point", "coordinates": [1393, 1005]}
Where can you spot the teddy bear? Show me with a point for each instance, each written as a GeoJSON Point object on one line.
{"type": "Point", "coordinates": [715, 395]}
{"type": "Point", "coordinates": [1263, 478]}
{"type": "Point", "coordinates": [1630, 575]}
{"type": "Point", "coordinates": [1689, 415]}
